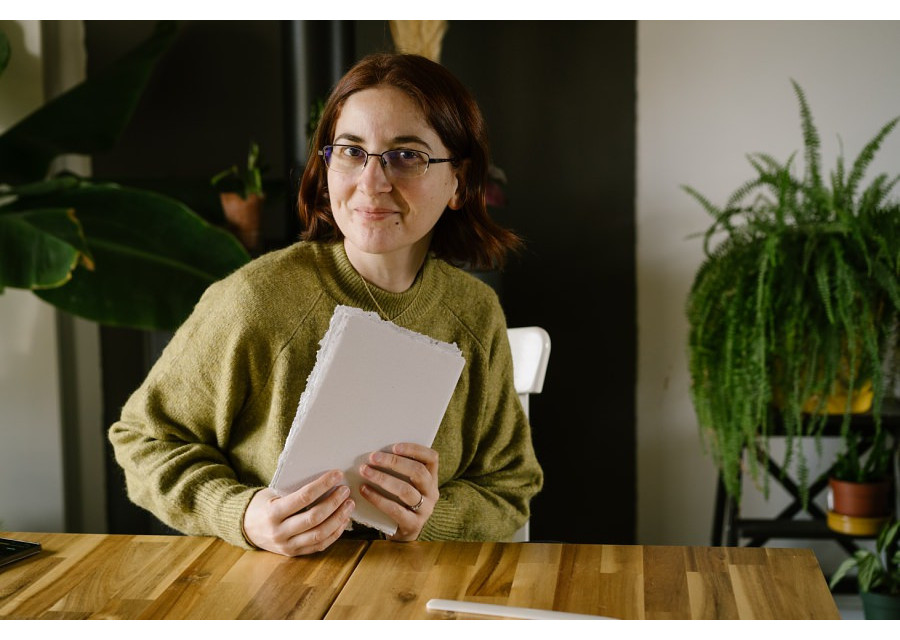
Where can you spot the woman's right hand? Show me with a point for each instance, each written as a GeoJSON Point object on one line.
{"type": "Point", "coordinates": [289, 525]}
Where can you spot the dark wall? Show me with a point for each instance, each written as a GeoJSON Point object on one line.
{"type": "Point", "coordinates": [559, 99]}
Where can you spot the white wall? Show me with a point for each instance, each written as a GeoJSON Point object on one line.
{"type": "Point", "coordinates": [708, 94]}
{"type": "Point", "coordinates": [31, 467]}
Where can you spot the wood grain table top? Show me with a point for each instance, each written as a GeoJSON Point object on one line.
{"type": "Point", "coordinates": [93, 576]}
{"type": "Point", "coordinates": [621, 581]}
{"type": "Point", "coordinates": [186, 577]}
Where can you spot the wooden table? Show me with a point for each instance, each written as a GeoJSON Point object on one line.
{"type": "Point", "coordinates": [631, 582]}
{"type": "Point", "coordinates": [184, 577]}
{"type": "Point", "coordinates": [78, 576]}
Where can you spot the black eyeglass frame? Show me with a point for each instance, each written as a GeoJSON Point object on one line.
{"type": "Point", "coordinates": [380, 156]}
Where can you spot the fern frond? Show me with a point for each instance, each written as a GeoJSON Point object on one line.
{"type": "Point", "coordinates": [811, 141]}
{"type": "Point", "coordinates": [865, 157]}
{"type": "Point", "coordinates": [708, 206]}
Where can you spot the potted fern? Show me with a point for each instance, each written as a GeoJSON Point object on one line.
{"type": "Point", "coordinates": [878, 575]}
{"type": "Point", "coordinates": [793, 305]}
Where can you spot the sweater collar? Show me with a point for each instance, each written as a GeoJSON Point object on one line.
{"type": "Point", "coordinates": [345, 285]}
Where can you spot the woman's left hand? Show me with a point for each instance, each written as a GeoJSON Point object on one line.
{"type": "Point", "coordinates": [416, 488]}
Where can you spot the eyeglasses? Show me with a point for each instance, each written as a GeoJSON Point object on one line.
{"type": "Point", "coordinates": [398, 163]}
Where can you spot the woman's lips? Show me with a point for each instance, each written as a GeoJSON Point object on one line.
{"type": "Point", "coordinates": [375, 213]}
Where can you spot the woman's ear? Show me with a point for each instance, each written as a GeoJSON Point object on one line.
{"type": "Point", "coordinates": [458, 199]}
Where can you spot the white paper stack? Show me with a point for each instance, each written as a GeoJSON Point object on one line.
{"type": "Point", "coordinates": [374, 384]}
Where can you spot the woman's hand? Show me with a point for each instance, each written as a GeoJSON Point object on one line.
{"type": "Point", "coordinates": [416, 489]}
{"type": "Point", "coordinates": [289, 525]}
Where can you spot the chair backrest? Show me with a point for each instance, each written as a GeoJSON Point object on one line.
{"type": "Point", "coordinates": [530, 353]}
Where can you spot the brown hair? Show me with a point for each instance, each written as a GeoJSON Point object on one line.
{"type": "Point", "coordinates": [464, 236]}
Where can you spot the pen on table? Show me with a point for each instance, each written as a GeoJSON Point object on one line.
{"type": "Point", "coordinates": [504, 611]}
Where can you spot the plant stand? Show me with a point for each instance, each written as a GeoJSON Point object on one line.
{"type": "Point", "coordinates": [729, 528]}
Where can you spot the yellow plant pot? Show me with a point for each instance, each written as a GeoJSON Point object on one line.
{"type": "Point", "coordinates": [854, 525]}
{"type": "Point", "coordinates": [860, 401]}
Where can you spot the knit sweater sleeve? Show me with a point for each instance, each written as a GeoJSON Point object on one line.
{"type": "Point", "coordinates": [489, 497]}
{"type": "Point", "coordinates": [175, 428]}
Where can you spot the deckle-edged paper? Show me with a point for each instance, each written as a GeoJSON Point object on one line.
{"type": "Point", "coordinates": [374, 384]}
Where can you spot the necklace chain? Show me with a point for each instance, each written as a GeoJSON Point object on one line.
{"type": "Point", "coordinates": [378, 306]}
{"type": "Point", "coordinates": [372, 297]}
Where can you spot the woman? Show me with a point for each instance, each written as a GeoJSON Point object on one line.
{"type": "Point", "coordinates": [393, 196]}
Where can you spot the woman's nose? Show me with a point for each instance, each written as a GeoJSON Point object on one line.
{"type": "Point", "coordinates": [373, 178]}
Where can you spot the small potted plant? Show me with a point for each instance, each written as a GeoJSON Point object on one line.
{"type": "Point", "coordinates": [860, 487]}
{"type": "Point", "coordinates": [793, 305]}
{"type": "Point", "coordinates": [878, 575]}
{"type": "Point", "coordinates": [242, 198]}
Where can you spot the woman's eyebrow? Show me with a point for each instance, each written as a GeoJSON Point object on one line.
{"type": "Point", "coordinates": [408, 139]}
{"type": "Point", "coordinates": [349, 137]}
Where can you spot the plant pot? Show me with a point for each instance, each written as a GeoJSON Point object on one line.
{"type": "Point", "coordinates": [836, 403]}
{"type": "Point", "coordinates": [880, 606]}
{"type": "Point", "coordinates": [243, 217]}
{"type": "Point", "coordinates": [855, 525]}
{"type": "Point", "coordinates": [860, 499]}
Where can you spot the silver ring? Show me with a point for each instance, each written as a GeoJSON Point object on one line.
{"type": "Point", "coordinates": [418, 504]}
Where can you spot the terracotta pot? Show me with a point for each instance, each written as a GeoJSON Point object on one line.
{"type": "Point", "coordinates": [243, 217]}
{"type": "Point", "coordinates": [860, 499]}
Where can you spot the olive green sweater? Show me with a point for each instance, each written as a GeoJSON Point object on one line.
{"type": "Point", "coordinates": [204, 431]}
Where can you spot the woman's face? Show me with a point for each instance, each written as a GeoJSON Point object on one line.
{"type": "Point", "coordinates": [379, 213]}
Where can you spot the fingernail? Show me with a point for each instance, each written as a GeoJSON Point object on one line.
{"type": "Point", "coordinates": [349, 505]}
{"type": "Point", "coordinates": [378, 457]}
{"type": "Point", "coordinates": [344, 491]}
{"type": "Point", "coordinates": [365, 470]}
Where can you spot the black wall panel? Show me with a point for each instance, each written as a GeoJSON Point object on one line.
{"type": "Point", "coordinates": [559, 99]}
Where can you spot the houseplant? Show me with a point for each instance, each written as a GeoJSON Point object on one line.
{"type": "Point", "coordinates": [242, 197]}
{"type": "Point", "coordinates": [795, 302]}
{"type": "Point", "coordinates": [860, 485]}
{"type": "Point", "coordinates": [878, 574]}
{"type": "Point", "coordinates": [106, 252]}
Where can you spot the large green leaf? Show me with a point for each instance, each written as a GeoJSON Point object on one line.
{"type": "Point", "coordinates": [40, 248]}
{"type": "Point", "coordinates": [87, 119]}
{"type": "Point", "coordinates": [153, 257]}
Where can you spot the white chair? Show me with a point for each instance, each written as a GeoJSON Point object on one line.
{"type": "Point", "coordinates": [530, 353]}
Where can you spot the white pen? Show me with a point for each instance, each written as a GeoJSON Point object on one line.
{"type": "Point", "coordinates": [503, 611]}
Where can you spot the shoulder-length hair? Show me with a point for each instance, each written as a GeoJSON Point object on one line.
{"type": "Point", "coordinates": [466, 236]}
